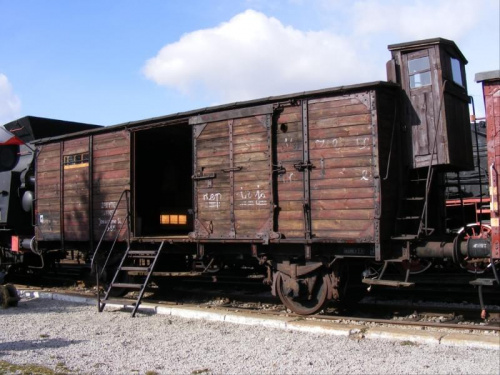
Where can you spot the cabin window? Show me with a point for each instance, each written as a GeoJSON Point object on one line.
{"type": "Point", "coordinates": [76, 160]}
{"type": "Point", "coordinates": [456, 71]}
{"type": "Point", "coordinates": [420, 72]}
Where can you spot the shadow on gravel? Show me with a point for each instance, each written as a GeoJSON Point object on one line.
{"type": "Point", "coordinates": [36, 344]}
{"type": "Point", "coordinates": [40, 306]}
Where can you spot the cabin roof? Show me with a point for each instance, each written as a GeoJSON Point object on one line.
{"type": "Point", "coordinates": [419, 44]}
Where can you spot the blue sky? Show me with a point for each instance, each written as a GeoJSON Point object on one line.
{"type": "Point", "coordinates": [112, 61]}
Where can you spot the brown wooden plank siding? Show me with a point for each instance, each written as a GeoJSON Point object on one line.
{"type": "Point", "coordinates": [213, 202]}
{"type": "Point", "coordinates": [111, 176]}
{"type": "Point", "coordinates": [252, 184]}
{"type": "Point", "coordinates": [290, 189]}
{"type": "Point", "coordinates": [332, 179]}
{"type": "Point", "coordinates": [110, 162]}
{"type": "Point", "coordinates": [236, 203]}
{"type": "Point", "coordinates": [48, 193]}
{"type": "Point", "coordinates": [76, 190]}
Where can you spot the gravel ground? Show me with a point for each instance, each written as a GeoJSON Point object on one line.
{"type": "Point", "coordinates": [73, 338]}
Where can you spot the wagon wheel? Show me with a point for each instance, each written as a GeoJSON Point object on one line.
{"type": "Point", "coordinates": [305, 303]}
{"type": "Point", "coordinates": [4, 302]}
{"type": "Point", "coordinates": [14, 297]}
{"type": "Point", "coordinates": [475, 230]}
{"type": "Point", "coordinates": [8, 296]}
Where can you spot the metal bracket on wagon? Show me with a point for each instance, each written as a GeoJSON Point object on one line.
{"type": "Point", "coordinates": [302, 166]}
{"type": "Point", "coordinates": [200, 176]}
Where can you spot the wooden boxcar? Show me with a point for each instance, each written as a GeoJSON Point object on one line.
{"type": "Point", "coordinates": [303, 184]}
{"type": "Point", "coordinates": [302, 168]}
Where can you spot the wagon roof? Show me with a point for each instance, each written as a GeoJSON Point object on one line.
{"type": "Point", "coordinates": [488, 76]}
{"type": "Point", "coordinates": [236, 105]}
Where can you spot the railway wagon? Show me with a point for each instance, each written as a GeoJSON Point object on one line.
{"type": "Point", "coordinates": [314, 186]}
{"type": "Point", "coordinates": [17, 183]}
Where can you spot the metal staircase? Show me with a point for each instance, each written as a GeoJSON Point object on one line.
{"type": "Point", "coordinates": [412, 218]}
{"type": "Point", "coordinates": [136, 261]}
{"type": "Point", "coordinates": [133, 261]}
{"type": "Point", "coordinates": [411, 221]}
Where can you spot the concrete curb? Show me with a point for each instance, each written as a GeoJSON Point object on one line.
{"type": "Point", "coordinates": [405, 335]}
{"type": "Point", "coordinates": [401, 335]}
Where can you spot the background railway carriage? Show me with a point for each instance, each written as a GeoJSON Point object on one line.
{"type": "Point", "coordinates": [491, 92]}
{"type": "Point", "coordinates": [307, 185]}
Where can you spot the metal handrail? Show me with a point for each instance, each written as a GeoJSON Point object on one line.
{"type": "Point", "coordinates": [127, 220]}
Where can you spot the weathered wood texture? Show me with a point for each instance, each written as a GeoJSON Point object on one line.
{"type": "Point", "coordinates": [436, 110]}
{"type": "Point", "coordinates": [48, 192]}
{"type": "Point", "coordinates": [328, 150]}
{"type": "Point", "coordinates": [290, 182]}
{"type": "Point", "coordinates": [71, 187]}
{"type": "Point", "coordinates": [111, 176]}
{"type": "Point", "coordinates": [249, 174]}
{"type": "Point", "coordinates": [235, 203]}
{"type": "Point", "coordinates": [76, 192]}
{"type": "Point", "coordinates": [340, 143]}
{"type": "Point", "coordinates": [343, 181]}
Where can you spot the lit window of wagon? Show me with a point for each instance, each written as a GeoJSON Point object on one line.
{"type": "Point", "coordinates": [76, 160]}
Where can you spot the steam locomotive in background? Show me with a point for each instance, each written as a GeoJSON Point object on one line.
{"type": "Point", "coordinates": [318, 188]}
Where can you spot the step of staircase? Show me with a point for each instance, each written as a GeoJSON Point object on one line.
{"type": "Point", "coordinates": [485, 282]}
{"type": "Point", "coordinates": [393, 283]}
{"type": "Point", "coordinates": [130, 268]}
{"type": "Point", "coordinates": [120, 301]}
{"type": "Point", "coordinates": [126, 285]}
{"type": "Point", "coordinates": [404, 237]}
{"type": "Point", "coordinates": [145, 254]}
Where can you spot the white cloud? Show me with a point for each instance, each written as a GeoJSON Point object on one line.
{"type": "Point", "coordinates": [253, 55]}
{"type": "Point", "coordinates": [10, 105]}
{"type": "Point", "coordinates": [417, 19]}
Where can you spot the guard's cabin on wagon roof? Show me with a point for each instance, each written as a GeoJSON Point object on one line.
{"type": "Point", "coordinates": [436, 105]}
